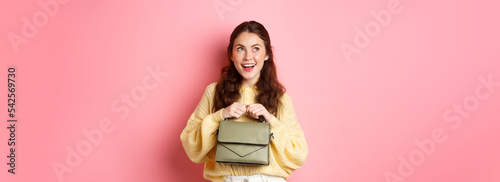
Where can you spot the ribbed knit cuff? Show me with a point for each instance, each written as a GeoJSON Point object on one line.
{"type": "Point", "coordinates": [210, 124]}
{"type": "Point", "coordinates": [278, 129]}
{"type": "Point", "coordinates": [276, 124]}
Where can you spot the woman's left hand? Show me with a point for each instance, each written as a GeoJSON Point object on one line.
{"type": "Point", "coordinates": [256, 110]}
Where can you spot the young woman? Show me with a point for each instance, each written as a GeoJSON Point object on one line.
{"type": "Point", "coordinates": [247, 88]}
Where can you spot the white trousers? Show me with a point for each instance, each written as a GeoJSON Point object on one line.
{"type": "Point", "coordinates": [254, 178]}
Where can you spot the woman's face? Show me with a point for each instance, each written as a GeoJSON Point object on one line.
{"type": "Point", "coordinates": [249, 54]}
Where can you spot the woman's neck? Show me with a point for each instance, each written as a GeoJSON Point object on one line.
{"type": "Point", "coordinates": [249, 83]}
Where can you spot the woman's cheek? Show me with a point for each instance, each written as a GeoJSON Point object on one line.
{"type": "Point", "coordinates": [257, 57]}
{"type": "Point", "coordinates": [237, 58]}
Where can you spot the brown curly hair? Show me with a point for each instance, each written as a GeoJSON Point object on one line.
{"type": "Point", "coordinates": [270, 89]}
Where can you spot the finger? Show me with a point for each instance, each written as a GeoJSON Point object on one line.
{"type": "Point", "coordinates": [235, 114]}
{"type": "Point", "coordinates": [259, 111]}
{"type": "Point", "coordinates": [238, 112]}
{"type": "Point", "coordinates": [256, 108]}
{"type": "Point", "coordinates": [236, 105]}
{"type": "Point", "coordinates": [239, 105]}
{"type": "Point", "coordinates": [251, 112]}
{"type": "Point", "coordinates": [242, 107]}
{"type": "Point", "coordinates": [252, 107]}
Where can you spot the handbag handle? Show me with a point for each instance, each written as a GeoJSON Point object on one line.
{"type": "Point", "coordinates": [261, 119]}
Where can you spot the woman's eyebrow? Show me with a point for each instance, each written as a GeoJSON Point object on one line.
{"type": "Point", "coordinates": [250, 46]}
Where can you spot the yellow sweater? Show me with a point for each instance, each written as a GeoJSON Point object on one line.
{"type": "Point", "coordinates": [288, 148]}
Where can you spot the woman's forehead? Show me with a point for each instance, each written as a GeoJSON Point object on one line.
{"type": "Point", "coordinates": [248, 39]}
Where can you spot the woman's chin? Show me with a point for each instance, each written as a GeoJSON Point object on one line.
{"type": "Point", "coordinates": [247, 77]}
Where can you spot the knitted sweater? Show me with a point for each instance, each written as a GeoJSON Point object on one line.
{"type": "Point", "coordinates": [288, 148]}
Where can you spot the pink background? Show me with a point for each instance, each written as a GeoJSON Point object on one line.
{"type": "Point", "coordinates": [361, 116]}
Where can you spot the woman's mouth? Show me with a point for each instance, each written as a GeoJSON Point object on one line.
{"type": "Point", "coordinates": [248, 67]}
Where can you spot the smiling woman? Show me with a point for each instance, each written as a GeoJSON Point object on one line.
{"type": "Point", "coordinates": [248, 54]}
{"type": "Point", "coordinates": [247, 88]}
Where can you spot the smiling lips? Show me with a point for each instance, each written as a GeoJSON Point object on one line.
{"type": "Point", "coordinates": [248, 67]}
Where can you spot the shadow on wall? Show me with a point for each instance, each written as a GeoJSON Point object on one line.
{"type": "Point", "coordinates": [175, 164]}
{"type": "Point", "coordinates": [180, 166]}
{"type": "Point", "coordinates": [185, 170]}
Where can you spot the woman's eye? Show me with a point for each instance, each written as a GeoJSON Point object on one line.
{"type": "Point", "coordinates": [256, 49]}
{"type": "Point", "coordinates": [239, 49]}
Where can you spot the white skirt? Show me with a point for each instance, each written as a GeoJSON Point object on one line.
{"type": "Point", "coordinates": [254, 178]}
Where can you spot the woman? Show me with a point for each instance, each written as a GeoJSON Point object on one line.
{"type": "Point", "coordinates": [247, 88]}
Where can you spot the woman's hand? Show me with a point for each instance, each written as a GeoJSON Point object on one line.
{"type": "Point", "coordinates": [235, 110]}
{"type": "Point", "coordinates": [256, 110]}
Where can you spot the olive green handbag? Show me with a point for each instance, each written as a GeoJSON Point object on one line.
{"type": "Point", "coordinates": [243, 142]}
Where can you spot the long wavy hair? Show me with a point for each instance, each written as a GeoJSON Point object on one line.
{"type": "Point", "coordinates": [269, 88]}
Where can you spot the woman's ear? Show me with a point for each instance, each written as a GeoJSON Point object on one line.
{"type": "Point", "coordinates": [266, 58]}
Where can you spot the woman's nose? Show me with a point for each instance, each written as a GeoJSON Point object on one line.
{"type": "Point", "coordinates": [248, 56]}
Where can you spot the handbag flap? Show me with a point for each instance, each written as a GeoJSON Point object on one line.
{"type": "Point", "coordinates": [244, 132]}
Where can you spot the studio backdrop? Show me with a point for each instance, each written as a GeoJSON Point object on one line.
{"type": "Point", "coordinates": [385, 91]}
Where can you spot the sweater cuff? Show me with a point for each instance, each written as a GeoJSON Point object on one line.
{"type": "Point", "coordinates": [218, 115]}
{"type": "Point", "coordinates": [215, 117]}
{"type": "Point", "coordinates": [211, 123]}
{"type": "Point", "coordinates": [276, 124]}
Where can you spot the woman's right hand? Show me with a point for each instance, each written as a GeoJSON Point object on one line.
{"type": "Point", "coordinates": [235, 110]}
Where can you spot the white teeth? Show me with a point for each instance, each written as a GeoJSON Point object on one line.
{"type": "Point", "coordinates": [248, 65]}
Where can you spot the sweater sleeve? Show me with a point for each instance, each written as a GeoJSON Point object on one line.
{"type": "Point", "coordinates": [198, 137]}
{"type": "Point", "coordinates": [289, 141]}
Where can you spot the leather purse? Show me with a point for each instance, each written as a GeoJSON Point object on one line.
{"type": "Point", "coordinates": [243, 142]}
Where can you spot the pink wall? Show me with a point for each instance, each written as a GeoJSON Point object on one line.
{"type": "Point", "coordinates": [403, 89]}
